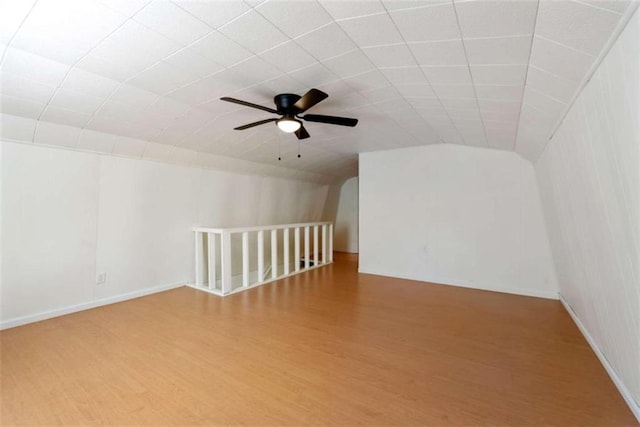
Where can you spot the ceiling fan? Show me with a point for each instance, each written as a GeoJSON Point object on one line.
{"type": "Point", "coordinates": [290, 106]}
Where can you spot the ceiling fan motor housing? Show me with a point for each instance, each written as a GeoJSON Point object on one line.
{"type": "Point", "coordinates": [284, 103]}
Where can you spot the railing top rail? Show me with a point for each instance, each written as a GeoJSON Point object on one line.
{"type": "Point", "coordinates": [258, 227]}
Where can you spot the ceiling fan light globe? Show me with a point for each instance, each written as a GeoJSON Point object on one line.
{"type": "Point", "coordinates": [288, 125]}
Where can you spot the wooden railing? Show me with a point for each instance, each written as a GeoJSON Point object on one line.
{"type": "Point", "coordinates": [217, 258]}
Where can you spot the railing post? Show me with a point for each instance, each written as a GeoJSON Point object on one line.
{"type": "Point", "coordinates": [199, 248]}
{"type": "Point", "coordinates": [226, 262]}
{"type": "Point", "coordinates": [285, 240]}
{"type": "Point", "coordinates": [330, 242]}
{"type": "Point", "coordinates": [260, 256]}
{"type": "Point", "coordinates": [274, 254]}
{"type": "Point", "coordinates": [211, 246]}
{"type": "Point", "coordinates": [324, 243]}
{"type": "Point", "coordinates": [316, 256]}
{"type": "Point", "coordinates": [296, 249]}
{"type": "Point", "coordinates": [307, 261]}
{"type": "Point", "coordinates": [245, 259]}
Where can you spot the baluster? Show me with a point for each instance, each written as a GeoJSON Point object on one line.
{"type": "Point", "coordinates": [260, 256]}
{"type": "Point", "coordinates": [245, 259]}
{"type": "Point", "coordinates": [296, 249]}
{"type": "Point", "coordinates": [307, 261]}
{"type": "Point", "coordinates": [226, 262]}
{"type": "Point", "coordinates": [285, 239]}
{"type": "Point", "coordinates": [330, 243]}
{"type": "Point", "coordinates": [199, 249]}
{"type": "Point", "coordinates": [211, 245]}
{"type": "Point", "coordinates": [315, 246]}
{"type": "Point", "coordinates": [324, 243]}
{"type": "Point", "coordinates": [274, 254]}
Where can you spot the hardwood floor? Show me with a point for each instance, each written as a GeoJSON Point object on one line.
{"type": "Point", "coordinates": [326, 347]}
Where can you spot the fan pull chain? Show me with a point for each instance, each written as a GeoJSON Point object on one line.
{"type": "Point", "coordinates": [279, 141]}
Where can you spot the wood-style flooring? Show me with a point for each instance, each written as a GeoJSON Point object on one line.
{"type": "Point", "coordinates": [327, 347]}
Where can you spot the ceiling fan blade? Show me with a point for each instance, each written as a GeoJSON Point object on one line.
{"type": "Point", "coordinates": [248, 104]}
{"type": "Point", "coordinates": [310, 99]}
{"type": "Point", "coordinates": [333, 120]}
{"type": "Point", "coordinates": [250, 125]}
{"type": "Point", "coordinates": [302, 133]}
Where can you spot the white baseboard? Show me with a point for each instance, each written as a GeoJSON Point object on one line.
{"type": "Point", "coordinates": [624, 391]}
{"type": "Point", "coordinates": [23, 320]}
{"type": "Point", "coordinates": [438, 281]}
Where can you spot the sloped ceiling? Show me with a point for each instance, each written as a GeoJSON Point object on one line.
{"type": "Point", "coordinates": [496, 74]}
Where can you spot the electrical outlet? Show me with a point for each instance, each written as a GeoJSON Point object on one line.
{"type": "Point", "coordinates": [101, 278]}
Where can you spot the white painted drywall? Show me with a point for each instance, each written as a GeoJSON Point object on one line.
{"type": "Point", "coordinates": [49, 223]}
{"type": "Point", "coordinates": [346, 224]}
{"type": "Point", "coordinates": [589, 178]}
{"type": "Point", "coordinates": [67, 215]}
{"type": "Point", "coordinates": [455, 215]}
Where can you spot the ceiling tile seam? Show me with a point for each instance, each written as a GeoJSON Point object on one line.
{"type": "Point", "coordinates": [401, 9]}
{"type": "Point", "coordinates": [411, 43]}
{"type": "Point", "coordinates": [289, 39]}
{"type": "Point", "coordinates": [171, 122]}
{"type": "Point", "coordinates": [294, 40]}
{"type": "Point", "coordinates": [526, 76]}
{"type": "Point", "coordinates": [183, 48]}
{"type": "Point", "coordinates": [107, 98]}
{"type": "Point", "coordinates": [622, 23]}
{"type": "Point", "coordinates": [358, 47]}
{"type": "Point", "coordinates": [198, 108]}
{"type": "Point", "coordinates": [162, 60]}
{"type": "Point", "coordinates": [427, 80]}
{"type": "Point", "coordinates": [223, 68]}
{"type": "Point", "coordinates": [475, 65]}
{"type": "Point", "coordinates": [352, 18]}
{"type": "Point", "coordinates": [511, 36]}
{"type": "Point", "coordinates": [375, 105]}
{"type": "Point", "coordinates": [107, 4]}
{"type": "Point", "coordinates": [546, 95]}
{"type": "Point", "coordinates": [245, 60]}
{"type": "Point", "coordinates": [201, 20]}
{"type": "Point", "coordinates": [4, 52]}
{"type": "Point", "coordinates": [246, 47]}
{"type": "Point", "coordinates": [210, 120]}
{"type": "Point", "coordinates": [552, 74]}
{"type": "Point", "coordinates": [600, 8]}
{"type": "Point", "coordinates": [328, 24]}
{"type": "Point", "coordinates": [564, 45]}
{"type": "Point", "coordinates": [206, 123]}
{"type": "Point", "coordinates": [251, 9]}
{"type": "Point", "coordinates": [71, 67]}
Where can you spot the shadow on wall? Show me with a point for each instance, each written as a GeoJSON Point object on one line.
{"type": "Point", "coordinates": [330, 210]}
{"type": "Point", "coordinates": [346, 223]}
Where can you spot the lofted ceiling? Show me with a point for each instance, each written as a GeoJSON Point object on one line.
{"type": "Point", "coordinates": [496, 74]}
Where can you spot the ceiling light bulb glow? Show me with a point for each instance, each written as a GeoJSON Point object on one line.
{"type": "Point", "coordinates": [288, 125]}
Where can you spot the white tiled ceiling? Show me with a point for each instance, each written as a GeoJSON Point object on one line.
{"type": "Point", "coordinates": [109, 75]}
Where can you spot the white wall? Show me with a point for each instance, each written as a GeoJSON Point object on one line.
{"type": "Point", "coordinates": [454, 215]}
{"type": "Point", "coordinates": [590, 186]}
{"type": "Point", "coordinates": [346, 224]}
{"type": "Point", "coordinates": [67, 215]}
